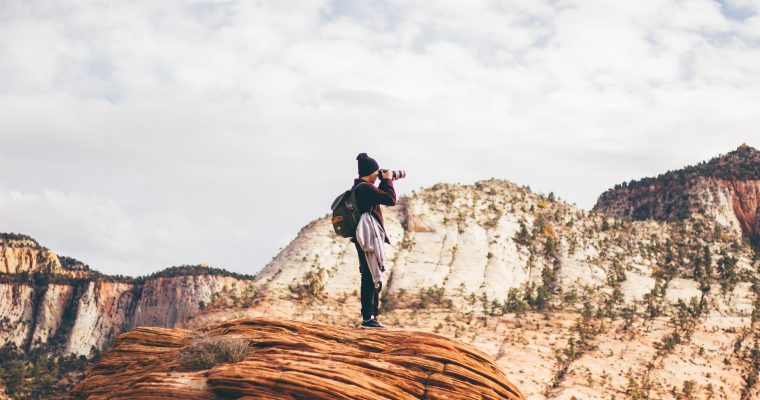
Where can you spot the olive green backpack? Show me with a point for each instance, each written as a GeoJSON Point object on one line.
{"type": "Point", "coordinates": [345, 213]}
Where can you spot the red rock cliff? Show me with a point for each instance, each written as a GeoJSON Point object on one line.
{"type": "Point", "coordinates": [725, 189]}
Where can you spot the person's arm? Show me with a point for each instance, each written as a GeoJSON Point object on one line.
{"type": "Point", "coordinates": [385, 194]}
{"type": "Point", "coordinates": [386, 186]}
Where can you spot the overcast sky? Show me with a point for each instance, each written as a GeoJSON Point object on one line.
{"type": "Point", "coordinates": [137, 135]}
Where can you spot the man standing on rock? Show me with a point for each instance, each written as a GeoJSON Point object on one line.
{"type": "Point", "coordinates": [368, 198]}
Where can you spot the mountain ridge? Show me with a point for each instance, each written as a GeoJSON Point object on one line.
{"type": "Point", "coordinates": [725, 189]}
{"type": "Point", "coordinates": [63, 265]}
{"type": "Point", "coordinates": [743, 163]}
{"type": "Point", "coordinates": [567, 301]}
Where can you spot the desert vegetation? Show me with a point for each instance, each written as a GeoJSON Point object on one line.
{"type": "Point", "coordinates": [205, 352]}
{"type": "Point", "coordinates": [42, 373]}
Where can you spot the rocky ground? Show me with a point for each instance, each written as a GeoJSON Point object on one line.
{"type": "Point", "coordinates": [286, 360]}
{"type": "Point", "coordinates": [558, 355]}
{"type": "Point", "coordinates": [573, 304]}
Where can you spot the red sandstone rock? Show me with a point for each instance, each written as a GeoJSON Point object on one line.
{"type": "Point", "coordinates": [297, 360]}
{"type": "Point", "coordinates": [727, 188]}
{"type": "Point", "coordinates": [745, 198]}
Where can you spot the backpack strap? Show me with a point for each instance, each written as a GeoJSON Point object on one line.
{"type": "Point", "coordinates": [353, 190]}
{"type": "Point", "coordinates": [357, 186]}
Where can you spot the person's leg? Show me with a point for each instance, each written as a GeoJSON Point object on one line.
{"type": "Point", "coordinates": [368, 294]}
{"type": "Point", "coordinates": [367, 287]}
{"type": "Point", "coordinates": [376, 300]}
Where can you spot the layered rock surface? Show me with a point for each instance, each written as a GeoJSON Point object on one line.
{"type": "Point", "coordinates": [297, 360]}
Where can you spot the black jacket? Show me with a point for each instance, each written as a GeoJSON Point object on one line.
{"type": "Point", "coordinates": [369, 196]}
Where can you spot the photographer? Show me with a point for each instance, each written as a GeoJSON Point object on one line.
{"type": "Point", "coordinates": [368, 198]}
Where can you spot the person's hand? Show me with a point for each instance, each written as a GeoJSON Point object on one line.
{"type": "Point", "coordinates": [388, 174]}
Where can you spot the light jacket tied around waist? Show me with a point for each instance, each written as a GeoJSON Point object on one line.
{"type": "Point", "coordinates": [371, 237]}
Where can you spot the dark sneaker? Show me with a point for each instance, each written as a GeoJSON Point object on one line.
{"type": "Point", "coordinates": [378, 323]}
{"type": "Point", "coordinates": [371, 323]}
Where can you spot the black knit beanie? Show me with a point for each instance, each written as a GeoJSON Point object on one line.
{"type": "Point", "coordinates": [367, 165]}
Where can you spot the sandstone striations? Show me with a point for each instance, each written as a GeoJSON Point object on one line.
{"type": "Point", "coordinates": [297, 360]}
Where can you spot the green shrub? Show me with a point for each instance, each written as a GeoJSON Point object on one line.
{"type": "Point", "coordinates": [689, 388]}
{"type": "Point", "coordinates": [523, 237]}
{"type": "Point", "coordinates": [313, 286]}
{"type": "Point", "coordinates": [434, 297]}
{"type": "Point", "coordinates": [40, 374]}
{"type": "Point", "coordinates": [515, 302]}
{"type": "Point", "coordinates": [670, 342]}
{"type": "Point", "coordinates": [392, 300]}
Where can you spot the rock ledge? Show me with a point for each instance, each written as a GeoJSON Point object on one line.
{"type": "Point", "coordinates": [298, 360]}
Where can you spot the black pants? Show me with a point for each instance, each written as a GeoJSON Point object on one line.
{"type": "Point", "coordinates": [369, 295]}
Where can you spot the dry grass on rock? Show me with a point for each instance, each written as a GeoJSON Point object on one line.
{"type": "Point", "coordinates": [209, 351]}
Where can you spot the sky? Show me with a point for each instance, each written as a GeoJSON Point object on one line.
{"type": "Point", "coordinates": [137, 135]}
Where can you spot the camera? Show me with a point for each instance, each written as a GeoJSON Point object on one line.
{"type": "Point", "coordinates": [398, 174]}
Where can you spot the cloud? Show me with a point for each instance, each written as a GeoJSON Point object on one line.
{"type": "Point", "coordinates": [83, 224]}
{"type": "Point", "coordinates": [108, 237]}
{"type": "Point", "coordinates": [170, 132]}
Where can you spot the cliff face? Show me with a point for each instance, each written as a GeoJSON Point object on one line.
{"type": "Point", "coordinates": [16, 313]}
{"type": "Point", "coordinates": [51, 314]}
{"type": "Point", "coordinates": [27, 256]}
{"type": "Point", "coordinates": [735, 205]}
{"type": "Point", "coordinates": [745, 202]}
{"type": "Point", "coordinates": [79, 311]}
{"type": "Point", "coordinates": [297, 360]}
{"type": "Point", "coordinates": [102, 311]}
{"type": "Point", "coordinates": [20, 254]}
{"type": "Point", "coordinates": [173, 302]}
{"type": "Point", "coordinates": [726, 190]}
{"type": "Point", "coordinates": [79, 316]}
{"type": "Point", "coordinates": [89, 314]}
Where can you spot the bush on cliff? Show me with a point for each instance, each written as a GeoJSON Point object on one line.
{"type": "Point", "coordinates": [39, 374]}
{"type": "Point", "coordinates": [16, 240]}
{"type": "Point", "coordinates": [206, 352]}
{"type": "Point", "coordinates": [193, 270]}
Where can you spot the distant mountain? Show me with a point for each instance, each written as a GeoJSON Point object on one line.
{"type": "Point", "coordinates": [655, 294]}
{"type": "Point", "coordinates": [54, 307]}
{"type": "Point", "coordinates": [20, 254]}
{"type": "Point", "coordinates": [742, 164]}
{"type": "Point", "coordinates": [725, 189]}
